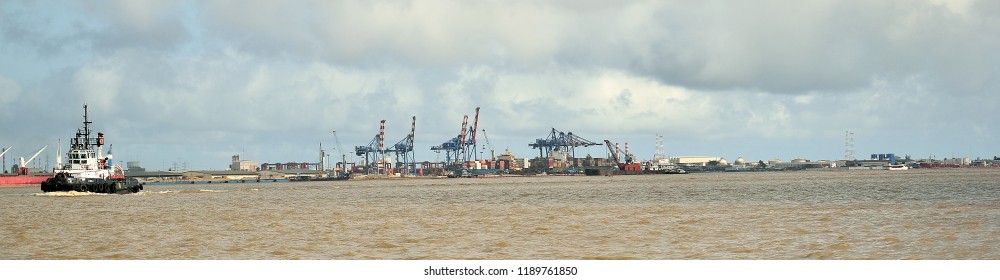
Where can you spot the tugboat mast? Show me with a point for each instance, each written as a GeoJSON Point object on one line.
{"type": "Point", "coordinates": [86, 128]}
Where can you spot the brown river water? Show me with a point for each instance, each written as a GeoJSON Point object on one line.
{"type": "Point", "coordinates": [915, 214]}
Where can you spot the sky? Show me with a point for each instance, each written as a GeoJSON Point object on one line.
{"type": "Point", "coordinates": [190, 83]}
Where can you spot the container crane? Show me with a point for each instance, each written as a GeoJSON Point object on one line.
{"type": "Point", "coordinates": [462, 147]}
{"type": "Point", "coordinates": [374, 151]}
{"type": "Point", "coordinates": [404, 151]}
{"type": "Point", "coordinates": [453, 149]}
{"type": "Point", "coordinates": [560, 141]}
{"type": "Point", "coordinates": [470, 146]}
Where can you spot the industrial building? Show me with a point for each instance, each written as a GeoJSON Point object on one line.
{"type": "Point", "coordinates": [244, 165]}
{"type": "Point", "coordinates": [134, 166]}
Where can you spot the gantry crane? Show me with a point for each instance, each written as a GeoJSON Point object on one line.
{"type": "Point", "coordinates": [405, 160]}
{"type": "Point", "coordinates": [463, 146]}
{"type": "Point", "coordinates": [470, 146]}
{"type": "Point", "coordinates": [560, 141]}
{"type": "Point", "coordinates": [374, 152]}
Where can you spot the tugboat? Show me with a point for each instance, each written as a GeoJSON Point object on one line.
{"type": "Point", "coordinates": [89, 170]}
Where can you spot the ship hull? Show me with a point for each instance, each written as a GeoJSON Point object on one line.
{"type": "Point", "coordinates": [615, 172]}
{"type": "Point", "coordinates": [307, 179]}
{"type": "Point", "coordinates": [23, 179]}
{"type": "Point", "coordinates": [112, 186]}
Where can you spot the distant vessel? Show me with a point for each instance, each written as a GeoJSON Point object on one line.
{"type": "Point", "coordinates": [341, 177]}
{"type": "Point", "coordinates": [23, 176]}
{"type": "Point", "coordinates": [676, 171]}
{"type": "Point", "coordinates": [88, 169]}
{"type": "Point", "coordinates": [897, 167]}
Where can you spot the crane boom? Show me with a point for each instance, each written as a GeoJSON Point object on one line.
{"type": "Point", "coordinates": [413, 131]}
{"type": "Point", "coordinates": [461, 136]}
{"type": "Point", "coordinates": [25, 163]}
{"type": "Point", "coordinates": [475, 125]}
{"type": "Point", "coordinates": [5, 151]}
{"type": "Point", "coordinates": [339, 148]}
{"type": "Point", "coordinates": [614, 154]}
{"type": "Point", "coordinates": [490, 146]}
{"type": "Point", "coordinates": [381, 137]}
{"type": "Point", "coordinates": [343, 156]}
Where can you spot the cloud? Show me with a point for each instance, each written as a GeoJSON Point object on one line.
{"type": "Point", "coordinates": [9, 90]}
{"type": "Point", "coordinates": [825, 46]}
{"type": "Point", "coordinates": [99, 83]}
{"type": "Point", "coordinates": [137, 24]}
{"type": "Point", "coordinates": [272, 79]}
{"type": "Point", "coordinates": [771, 46]}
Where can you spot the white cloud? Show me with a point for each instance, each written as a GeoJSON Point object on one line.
{"type": "Point", "coordinates": [9, 90]}
{"type": "Point", "coordinates": [99, 83]}
{"type": "Point", "coordinates": [804, 99]}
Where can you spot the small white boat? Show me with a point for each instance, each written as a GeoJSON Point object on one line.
{"type": "Point", "coordinates": [898, 167]}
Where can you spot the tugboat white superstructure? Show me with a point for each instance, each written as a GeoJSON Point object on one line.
{"type": "Point", "coordinates": [89, 170]}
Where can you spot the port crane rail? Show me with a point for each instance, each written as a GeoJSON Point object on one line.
{"type": "Point", "coordinates": [560, 141]}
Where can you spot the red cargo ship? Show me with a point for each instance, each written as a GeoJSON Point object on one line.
{"type": "Point", "coordinates": [33, 179]}
{"type": "Point", "coordinates": [23, 177]}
